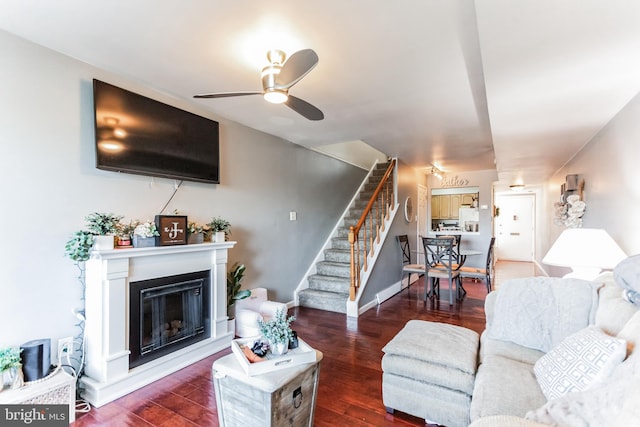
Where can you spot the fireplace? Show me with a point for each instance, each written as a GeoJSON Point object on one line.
{"type": "Point", "coordinates": [195, 298]}
{"type": "Point", "coordinates": [167, 314]}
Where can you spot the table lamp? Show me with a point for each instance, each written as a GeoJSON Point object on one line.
{"type": "Point", "coordinates": [586, 250]}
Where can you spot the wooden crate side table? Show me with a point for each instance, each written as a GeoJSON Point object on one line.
{"type": "Point", "coordinates": [285, 397]}
{"type": "Point", "coordinates": [60, 389]}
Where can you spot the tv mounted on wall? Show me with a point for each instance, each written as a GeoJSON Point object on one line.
{"type": "Point", "coordinates": [136, 134]}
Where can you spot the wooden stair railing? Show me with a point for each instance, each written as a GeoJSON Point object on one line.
{"type": "Point", "coordinates": [371, 222]}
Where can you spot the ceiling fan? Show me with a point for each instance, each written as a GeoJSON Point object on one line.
{"type": "Point", "coordinates": [279, 77]}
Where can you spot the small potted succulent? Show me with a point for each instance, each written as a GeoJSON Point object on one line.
{"type": "Point", "coordinates": [195, 233]}
{"type": "Point", "coordinates": [277, 331]}
{"type": "Point", "coordinates": [125, 231]}
{"type": "Point", "coordinates": [104, 226]}
{"type": "Point", "coordinates": [144, 234]}
{"type": "Point", "coordinates": [10, 364]}
{"type": "Point", "coordinates": [221, 229]}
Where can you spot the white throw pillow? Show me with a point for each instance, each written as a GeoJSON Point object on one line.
{"type": "Point", "coordinates": [578, 362]}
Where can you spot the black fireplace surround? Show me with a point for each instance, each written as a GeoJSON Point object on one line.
{"type": "Point", "coordinates": [167, 314]}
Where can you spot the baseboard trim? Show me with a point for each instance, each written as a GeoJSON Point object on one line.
{"type": "Point", "coordinates": [388, 292]}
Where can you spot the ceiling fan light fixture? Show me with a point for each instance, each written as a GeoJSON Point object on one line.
{"type": "Point", "coordinates": [276, 56]}
{"type": "Point", "coordinates": [276, 96]}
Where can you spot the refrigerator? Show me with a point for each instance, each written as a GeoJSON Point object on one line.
{"type": "Point", "coordinates": [468, 218]}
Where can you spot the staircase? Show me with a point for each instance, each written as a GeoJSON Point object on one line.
{"type": "Point", "coordinates": [329, 287]}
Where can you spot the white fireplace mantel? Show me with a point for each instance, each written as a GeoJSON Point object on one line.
{"type": "Point", "coordinates": [108, 274]}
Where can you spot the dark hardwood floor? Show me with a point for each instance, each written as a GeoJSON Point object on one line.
{"type": "Point", "coordinates": [350, 388]}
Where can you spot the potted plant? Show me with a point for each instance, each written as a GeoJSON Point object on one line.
{"type": "Point", "coordinates": [144, 234]}
{"type": "Point", "coordinates": [277, 331]}
{"type": "Point", "coordinates": [10, 364]}
{"type": "Point", "coordinates": [79, 246]}
{"type": "Point", "coordinates": [195, 233]}
{"type": "Point", "coordinates": [104, 226]}
{"type": "Point", "coordinates": [125, 231]}
{"type": "Point", "coordinates": [221, 228]}
{"type": "Point", "coordinates": [234, 285]}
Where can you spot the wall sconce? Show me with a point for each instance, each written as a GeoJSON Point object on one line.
{"type": "Point", "coordinates": [572, 185]}
{"type": "Point", "coordinates": [516, 187]}
{"type": "Point", "coordinates": [569, 210]}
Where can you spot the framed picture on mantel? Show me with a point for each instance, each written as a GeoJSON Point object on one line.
{"type": "Point", "coordinates": [172, 229]}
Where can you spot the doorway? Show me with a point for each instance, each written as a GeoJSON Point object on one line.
{"type": "Point", "coordinates": [515, 223]}
{"type": "Point", "coordinates": [421, 223]}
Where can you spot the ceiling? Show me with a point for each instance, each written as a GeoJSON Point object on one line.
{"type": "Point", "coordinates": [515, 85]}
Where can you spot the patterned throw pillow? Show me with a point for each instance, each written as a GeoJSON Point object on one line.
{"type": "Point", "coordinates": [578, 362]}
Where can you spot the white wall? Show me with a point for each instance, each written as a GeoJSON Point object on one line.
{"type": "Point", "coordinates": [484, 181]}
{"type": "Point", "coordinates": [50, 183]}
{"type": "Point", "coordinates": [609, 164]}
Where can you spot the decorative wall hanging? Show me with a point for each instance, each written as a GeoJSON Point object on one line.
{"type": "Point", "coordinates": [569, 210]}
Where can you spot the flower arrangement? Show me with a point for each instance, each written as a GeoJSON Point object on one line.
{"type": "Point", "coordinates": [9, 358]}
{"type": "Point", "coordinates": [194, 227]}
{"type": "Point", "coordinates": [277, 330]}
{"type": "Point", "coordinates": [146, 229]}
{"type": "Point", "coordinates": [570, 213]}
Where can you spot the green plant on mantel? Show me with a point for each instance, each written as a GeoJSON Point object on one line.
{"type": "Point", "coordinates": [79, 246]}
{"type": "Point", "coordinates": [103, 224]}
{"type": "Point", "coordinates": [234, 279]}
{"type": "Point", "coordinates": [218, 224]}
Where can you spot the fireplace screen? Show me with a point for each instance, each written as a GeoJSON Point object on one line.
{"type": "Point", "coordinates": [167, 314]}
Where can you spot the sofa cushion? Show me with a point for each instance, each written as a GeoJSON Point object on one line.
{"type": "Point", "coordinates": [539, 312]}
{"type": "Point", "coordinates": [578, 362]}
{"type": "Point", "coordinates": [613, 310]}
{"type": "Point", "coordinates": [631, 333]}
{"type": "Point", "coordinates": [507, 349]}
{"type": "Point", "coordinates": [627, 273]}
{"type": "Point", "coordinates": [505, 387]}
{"type": "Point", "coordinates": [611, 403]}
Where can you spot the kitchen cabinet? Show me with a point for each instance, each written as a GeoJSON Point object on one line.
{"type": "Point", "coordinates": [467, 199]}
{"type": "Point", "coordinates": [441, 207]}
{"type": "Point", "coordinates": [454, 202]}
{"type": "Point", "coordinates": [447, 206]}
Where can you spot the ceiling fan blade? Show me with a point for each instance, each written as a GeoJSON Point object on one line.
{"type": "Point", "coordinates": [303, 108]}
{"type": "Point", "coordinates": [226, 94]}
{"type": "Point", "coordinates": [296, 67]}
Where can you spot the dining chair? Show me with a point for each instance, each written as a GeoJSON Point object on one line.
{"type": "Point", "coordinates": [485, 273]}
{"type": "Point", "coordinates": [440, 260]}
{"type": "Point", "coordinates": [408, 267]}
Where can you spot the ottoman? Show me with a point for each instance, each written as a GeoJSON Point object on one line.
{"type": "Point", "coordinates": [428, 371]}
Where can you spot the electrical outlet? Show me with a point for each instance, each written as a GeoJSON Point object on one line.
{"type": "Point", "coordinates": [65, 345]}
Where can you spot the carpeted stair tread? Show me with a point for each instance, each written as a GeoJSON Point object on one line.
{"type": "Point", "coordinates": [330, 301]}
{"type": "Point", "coordinates": [329, 288]}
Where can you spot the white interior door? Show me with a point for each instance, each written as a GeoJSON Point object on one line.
{"type": "Point", "coordinates": [515, 227]}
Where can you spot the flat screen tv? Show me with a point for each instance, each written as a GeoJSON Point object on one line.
{"type": "Point", "coordinates": [136, 134]}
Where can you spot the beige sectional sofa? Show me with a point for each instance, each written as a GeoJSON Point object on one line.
{"type": "Point", "coordinates": [555, 352]}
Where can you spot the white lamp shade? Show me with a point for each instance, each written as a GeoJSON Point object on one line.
{"type": "Point", "coordinates": [582, 248]}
